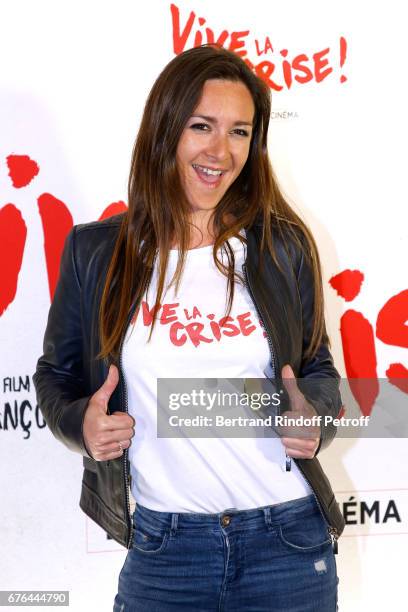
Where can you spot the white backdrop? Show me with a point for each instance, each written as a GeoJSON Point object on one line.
{"type": "Point", "coordinates": [73, 82]}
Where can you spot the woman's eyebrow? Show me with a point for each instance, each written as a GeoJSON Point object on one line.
{"type": "Point", "coordinates": [214, 120]}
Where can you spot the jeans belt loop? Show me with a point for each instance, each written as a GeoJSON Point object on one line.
{"type": "Point", "coordinates": [267, 514]}
{"type": "Point", "coordinates": [174, 521]}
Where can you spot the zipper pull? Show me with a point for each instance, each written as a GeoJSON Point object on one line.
{"type": "Point", "coordinates": [334, 538]}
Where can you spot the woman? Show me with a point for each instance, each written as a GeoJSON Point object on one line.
{"type": "Point", "coordinates": [210, 273]}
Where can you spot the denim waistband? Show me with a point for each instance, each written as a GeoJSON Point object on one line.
{"type": "Point", "coordinates": [230, 517]}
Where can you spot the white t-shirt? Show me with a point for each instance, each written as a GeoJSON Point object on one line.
{"type": "Point", "coordinates": [190, 474]}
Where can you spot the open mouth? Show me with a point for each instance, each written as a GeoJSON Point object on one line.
{"type": "Point", "coordinates": [210, 176]}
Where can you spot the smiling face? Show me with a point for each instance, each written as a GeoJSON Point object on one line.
{"type": "Point", "coordinates": [214, 144]}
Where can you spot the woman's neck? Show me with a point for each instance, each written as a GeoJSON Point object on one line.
{"type": "Point", "coordinates": [197, 241]}
{"type": "Point", "coordinates": [202, 233]}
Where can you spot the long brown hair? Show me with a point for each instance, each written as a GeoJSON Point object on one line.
{"type": "Point", "coordinates": [158, 210]}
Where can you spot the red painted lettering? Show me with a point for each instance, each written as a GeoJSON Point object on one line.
{"type": "Point", "coordinates": [392, 329]}
{"type": "Point", "coordinates": [319, 64]}
{"type": "Point", "coordinates": [267, 46]}
{"type": "Point", "coordinates": [56, 222]}
{"type": "Point", "coordinates": [237, 43]}
{"type": "Point", "coordinates": [174, 328]}
{"type": "Point", "coordinates": [22, 170]}
{"type": "Point", "coordinates": [168, 315]}
{"type": "Point", "coordinates": [265, 70]}
{"type": "Point", "coordinates": [299, 65]}
{"type": "Point", "coordinates": [226, 322]}
{"type": "Point", "coordinates": [180, 38]}
{"type": "Point", "coordinates": [194, 331]}
{"type": "Point", "coordinates": [113, 209]}
{"type": "Point", "coordinates": [360, 358]}
{"type": "Point", "coordinates": [13, 233]}
{"type": "Point", "coordinates": [245, 324]}
{"type": "Point", "coordinates": [196, 313]}
{"type": "Point", "coordinates": [391, 321]}
{"type": "Point", "coordinates": [148, 314]}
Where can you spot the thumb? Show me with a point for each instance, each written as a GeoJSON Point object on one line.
{"type": "Point", "coordinates": [105, 391]}
{"type": "Point", "coordinates": [295, 395]}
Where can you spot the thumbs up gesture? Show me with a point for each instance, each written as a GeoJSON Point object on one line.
{"type": "Point", "coordinates": [106, 435]}
{"type": "Point", "coordinates": [304, 446]}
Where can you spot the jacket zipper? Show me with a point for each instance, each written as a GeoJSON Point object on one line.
{"type": "Point", "coordinates": [332, 530]}
{"type": "Point", "coordinates": [334, 536]}
{"type": "Point", "coordinates": [271, 349]}
{"type": "Point", "coordinates": [288, 460]}
{"type": "Point", "coordinates": [124, 402]}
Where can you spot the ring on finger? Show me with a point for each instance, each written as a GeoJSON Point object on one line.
{"type": "Point", "coordinates": [120, 446]}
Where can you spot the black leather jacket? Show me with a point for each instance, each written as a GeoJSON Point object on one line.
{"type": "Point", "coordinates": [68, 372]}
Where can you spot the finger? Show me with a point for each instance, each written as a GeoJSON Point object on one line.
{"type": "Point", "coordinates": [300, 442]}
{"type": "Point", "coordinates": [105, 391]}
{"type": "Point", "coordinates": [119, 424]}
{"type": "Point", "coordinates": [113, 447]}
{"type": "Point", "coordinates": [295, 395]}
{"type": "Point", "coordinates": [304, 432]}
{"type": "Point", "coordinates": [300, 454]}
{"type": "Point", "coordinates": [300, 448]}
{"type": "Point", "coordinates": [122, 418]}
{"type": "Point", "coordinates": [107, 438]}
{"type": "Point", "coordinates": [102, 456]}
{"type": "Point", "coordinates": [108, 426]}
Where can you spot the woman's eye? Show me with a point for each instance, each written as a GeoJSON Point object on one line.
{"type": "Point", "coordinates": [200, 126]}
{"type": "Point", "coordinates": [241, 132]}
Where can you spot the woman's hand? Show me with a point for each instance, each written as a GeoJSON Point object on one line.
{"type": "Point", "coordinates": [304, 446]}
{"type": "Point", "coordinates": [106, 435]}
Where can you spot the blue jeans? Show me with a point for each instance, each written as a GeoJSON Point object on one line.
{"type": "Point", "coordinates": [273, 559]}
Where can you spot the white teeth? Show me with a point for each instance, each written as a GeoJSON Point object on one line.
{"type": "Point", "coordinates": [208, 170]}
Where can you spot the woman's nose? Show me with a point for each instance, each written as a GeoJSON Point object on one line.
{"type": "Point", "coordinates": [218, 147]}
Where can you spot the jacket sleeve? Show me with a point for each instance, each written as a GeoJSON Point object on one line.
{"type": "Point", "coordinates": [319, 378]}
{"type": "Point", "coordinates": [58, 379]}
